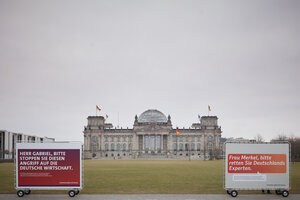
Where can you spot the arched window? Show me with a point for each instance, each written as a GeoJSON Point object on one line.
{"type": "Point", "coordinates": [180, 147]}
{"type": "Point", "coordinates": [94, 138]}
{"type": "Point", "coordinates": [118, 147]}
{"type": "Point", "coordinates": [112, 139]}
{"type": "Point", "coordinates": [124, 139]}
{"type": "Point", "coordinates": [210, 138]}
{"type": "Point", "coordinates": [198, 147]}
{"type": "Point", "coordinates": [112, 147]}
{"type": "Point", "coordinates": [186, 147]}
{"type": "Point", "coordinates": [106, 147]}
{"type": "Point", "coordinates": [124, 147]}
{"type": "Point", "coordinates": [94, 148]}
{"type": "Point", "coordinates": [119, 139]}
{"type": "Point", "coordinates": [106, 139]}
{"type": "Point", "coordinates": [175, 147]}
{"type": "Point", "coordinates": [193, 147]}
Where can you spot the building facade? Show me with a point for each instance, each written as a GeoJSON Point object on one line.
{"type": "Point", "coordinates": [9, 139]}
{"type": "Point", "coordinates": [152, 137]}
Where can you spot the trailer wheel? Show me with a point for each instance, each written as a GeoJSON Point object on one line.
{"type": "Point", "coordinates": [27, 192]}
{"type": "Point", "coordinates": [20, 193]}
{"type": "Point", "coordinates": [228, 191]}
{"type": "Point", "coordinates": [285, 193]}
{"type": "Point", "coordinates": [234, 193]}
{"type": "Point", "coordinates": [72, 193]}
{"type": "Point", "coordinates": [77, 192]}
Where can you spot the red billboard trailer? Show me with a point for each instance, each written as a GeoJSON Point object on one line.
{"type": "Point", "coordinates": [49, 166]}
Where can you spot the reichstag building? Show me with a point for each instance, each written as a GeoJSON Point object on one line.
{"type": "Point", "coordinates": [152, 137]}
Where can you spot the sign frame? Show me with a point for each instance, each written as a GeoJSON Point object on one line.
{"type": "Point", "coordinates": [257, 181]}
{"type": "Point", "coordinates": [49, 146]}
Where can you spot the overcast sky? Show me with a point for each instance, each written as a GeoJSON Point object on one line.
{"type": "Point", "coordinates": [59, 59]}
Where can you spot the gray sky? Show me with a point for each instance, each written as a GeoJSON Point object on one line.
{"type": "Point", "coordinates": [58, 59]}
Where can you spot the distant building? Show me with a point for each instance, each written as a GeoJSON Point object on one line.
{"type": "Point", "coordinates": [8, 142]}
{"type": "Point", "coordinates": [152, 137]}
{"type": "Point", "coordinates": [239, 140]}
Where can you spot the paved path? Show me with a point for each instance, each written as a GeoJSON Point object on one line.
{"type": "Point", "coordinates": [149, 197]}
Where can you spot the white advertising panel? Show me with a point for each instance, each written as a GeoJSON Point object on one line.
{"type": "Point", "coordinates": [256, 166]}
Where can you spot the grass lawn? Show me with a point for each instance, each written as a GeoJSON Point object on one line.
{"type": "Point", "coordinates": [136, 177]}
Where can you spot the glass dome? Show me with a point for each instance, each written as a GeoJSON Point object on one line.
{"type": "Point", "coordinates": [152, 116]}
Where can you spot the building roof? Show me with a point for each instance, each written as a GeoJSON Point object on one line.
{"type": "Point", "coordinates": [152, 116]}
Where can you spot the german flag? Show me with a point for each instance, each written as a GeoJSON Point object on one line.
{"type": "Point", "coordinates": [98, 108]}
{"type": "Point", "coordinates": [177, 131]}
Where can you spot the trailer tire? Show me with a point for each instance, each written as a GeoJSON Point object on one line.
{"type": "Point", "coordinates": [27, 192]}
{"type": "Point", "coordinates": [77, 192]}
{"type": "Point", "coordinates": [234, 193]}
{"type": "Point", "coordinates": [20, 193]}
{"type": "Point", "coordinates": [285, 193]}
{"type": "Point", "coordinates": [72, 193]}
{"type": "Point", "coordinates": [228, 191]}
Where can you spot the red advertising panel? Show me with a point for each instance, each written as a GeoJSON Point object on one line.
{"type": "Point", "coordinates": [257, 163]}
{"type": "Point", "coordinates": [49, 167]}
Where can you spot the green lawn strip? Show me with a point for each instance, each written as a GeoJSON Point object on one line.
{"type": "Point", "coordinates": [147, 177]}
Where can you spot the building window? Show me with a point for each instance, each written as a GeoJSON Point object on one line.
{"type": "Point", "coordinates": [152, 142]}
{"type": "Point", "coordinates": [198, 147]}
{"type": "Point", "coordinates": [124, 139]}
{"type": "Point", "coordinates": [106, 147]}
{"type": "Point", "coordinates": [112, 147]}
{"type": "Point", "coordinates": [180, 147]}
{"type": "Point", "coordinates": [174, 147]}
{"type": "Point", "coordinates": [94, 138]}
{"type": "Point", "coordinates": [186, 147]}
{"type": "Point", "coordinates": [187, 138]}
{"type": "Point", "coordinates": [181, 139]}
{"type": "Point", "coordinates": [130, 139]}
{"type": "Point", "coordinates": [130, 147]}
{"type": "Point", "coordinates": [210, 138]}
{"type": "Point", "coordinates": [193, 139]}
{"type": "Point", "coordinates": [192, 147]}
{"type": "Point", "coordinates": [112, 139]}
{"type": "Point", "coordinates": [210, 146]}
{"type": "Point", "coordinates": [146, 142]}
{"type": "Point", "coordinates": [106, 139]}
{"type": "Point", "coordinates": [118, 147]}
{"type": "Point", "coordinates": [174, 138]}
{"type": "Point", "coordinates": [119, 139]}
{"type": "Point", "coordinates": [198, 138]}
{"type": "Point", "coordinates": [158, 142]}
{"type": "Point", "coordinates": [124, 147]}
{"type": "Point", "coordinates": [94, 148]}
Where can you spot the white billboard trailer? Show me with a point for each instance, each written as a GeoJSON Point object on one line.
{"type": "Point", "coordinates": [257, 166]}
{"type": "Point", "coordinates": [48, 166]}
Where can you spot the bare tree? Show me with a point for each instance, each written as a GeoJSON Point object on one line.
{"type": "Point", "coordinates": [259, 138]}
{"type": "Point", "coordinates": [282, 137]}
